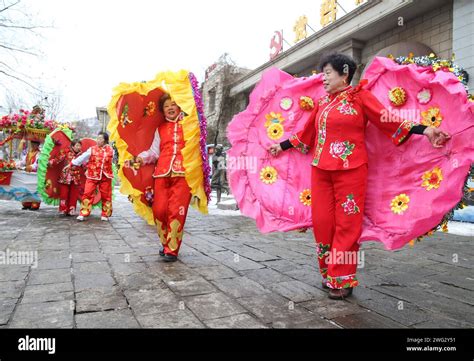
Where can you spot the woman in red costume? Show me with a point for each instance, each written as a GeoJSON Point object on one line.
{"type": "Point", "coordinates": [172, 193]}
{"type": "Point", "coordinates": [69, 179]}
{"type": "Point", "coordinates": [336, 134]}
{"type": "Point", "coordinates": [99, 175]}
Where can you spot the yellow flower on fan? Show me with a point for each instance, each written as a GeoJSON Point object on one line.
{"type": "Point", "coordinates": [275, 131]}
{"type": "Point", "coordinates": [268, 175]}
{"type": "Point", "coordinates": [306, 103]}
{"type": "Point", "coordinates": [432, 179]}
{"type": "Point", "coordinates": [432, 117]}
{"type": "Point", "coordinates": [273, 118]}
{"type": "Point", "coordinates": [397, 96]}
{"type": "Point", "coordinates": [305, 197]}
{"type": "Point", "coordinates": [399, 204]}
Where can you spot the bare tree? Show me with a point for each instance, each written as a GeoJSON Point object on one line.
{"type": "Point", "coordinates": [51, 102]}
{"type": "Point", "coordinates": [15, 24]}
{"type": "Point", "coordinates": [13, 102]}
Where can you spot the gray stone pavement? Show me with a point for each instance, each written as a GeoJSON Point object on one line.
{"type": "Point", "coordinates": [109, 275]}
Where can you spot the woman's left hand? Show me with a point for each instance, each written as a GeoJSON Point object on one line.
{"type": "Point", "coordinates": [437, 137]}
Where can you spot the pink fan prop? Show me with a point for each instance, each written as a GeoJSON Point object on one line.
{"type": "Point", "coordinates": [411, 187]}
{"type": "Point", "coordinates": [273, 191]}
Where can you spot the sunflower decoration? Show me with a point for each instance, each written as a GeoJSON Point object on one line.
{"type": "Point", "coordinates": [268, 175]}
{"type": "Point", "coordinates": [275, 131]}
{"type": "Point", "coordinates": [397, 96]}
{"type": "Point", "coordinates": [273, 118]}
{"type": "Point", "coordinates": [399, 204]}
{"type": "Point", "coordinates": [432, 179]}
{"type": "Point", "coordinates": [432, 117]}
{"type": "Point", "coordinates": [305, 197]}
{"type": "Point", "coordinates": [274, 125]}
{"type": "Point", "coordinates": [306, 103]}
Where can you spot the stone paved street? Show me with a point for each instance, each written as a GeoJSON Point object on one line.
{"type": "Point", "coordinates": [109, 275]}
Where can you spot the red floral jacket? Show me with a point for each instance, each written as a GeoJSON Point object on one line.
{"type": "Point", "coordinates": [100, 162]}
{"type": "Point", "coordinates": [69, 173]}
{"type": "Point", "coordinates": [336, 128]}
{"type": "Point", "coordinates": [166, 147]}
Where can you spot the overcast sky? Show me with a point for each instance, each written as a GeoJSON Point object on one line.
{"type": "Point", "coordinates": [96, 44]}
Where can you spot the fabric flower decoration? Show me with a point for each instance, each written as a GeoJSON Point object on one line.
{"type": "Point", "coordinates": [431, 117]}
{"type": "Point", "coordinates": [124, 120]}
{"type": "Point", "coordinates": [286, 103]}
{"type": "Point", "coordinates": [346, 108]}
{"type": "Point", "coordinates": [275, 131]}
{"type": "Point", "coordinates": [324, 100]}
{"type": "Point", "coordinates": [322, 250]}
{"type": "Point", "coordinates": [305, 197]}
{"type": "Point", "coordinates": [424, 96]}
{"type": "Point", "coordinates": [397, 96]}
{"type": "Point", "coordinates": [268, 175]}
{"type": "Point", "coordinates": [399, 204]}
{"type": "Point", "coordinates": [273, 118]}
{"type": "Point", "coordinates": [432, 179]}
{"type": "Point", "coordinates": [350, 206]}
{"type": "Point", "coordinates": [306, 103]}
{"type": "Point", "coordinates": [341, 149]}
{"type": "Point", "coordinates": [149, 109]}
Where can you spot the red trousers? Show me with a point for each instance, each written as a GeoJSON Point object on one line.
{"type": "Point", "coordinates": [105, 188]}
{"type": "Point", "coordinates": [68, 196]}
{"type": "Point", "coordinates": [170, 207]}
{"type": "Point", "coordinates": [337, 199]}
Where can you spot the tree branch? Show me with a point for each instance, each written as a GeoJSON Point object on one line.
{"type": "Point", "coordinates": [16, 49]}
{"type": "Point", "coordinates": [24, 27]}
{"type": "Point", "coordinates": [19, 79]}
{"type": "Point", "coordinates": [9, 6]}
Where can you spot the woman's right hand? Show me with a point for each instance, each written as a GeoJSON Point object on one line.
{"type": "Point", "coordinates": [275, 149]}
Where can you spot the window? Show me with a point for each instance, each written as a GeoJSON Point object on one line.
{"type": "Point", "coordinates": [212, 100]}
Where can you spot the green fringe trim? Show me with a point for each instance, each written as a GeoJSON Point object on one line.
{"type": "Point", "coordinates": [43, 165]}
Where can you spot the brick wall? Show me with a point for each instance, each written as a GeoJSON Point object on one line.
{"type": "Point", "coordinates": [434, 29]}
{"type": "Point", "coordinates": [463, 34]}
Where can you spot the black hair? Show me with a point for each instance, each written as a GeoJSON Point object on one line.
{"type": "Point", "coordinates": [343, 64]}
{"type": "Point", "coordinates": [106, 137]}
{"type": "Point", "coordinates": [163, 98]}
{"type": "Point", "coordinates": [74, 142]}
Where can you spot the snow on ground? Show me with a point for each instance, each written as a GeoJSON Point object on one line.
{"type": "Point", "coordinates": [461, 228]}
{"type": "Point", "coordinates": [225, 200]}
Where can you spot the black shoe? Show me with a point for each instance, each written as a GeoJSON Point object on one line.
{"type": "Point", "coordinates": [340, 293]}
{"type": "Point", "coordinates": [162, 251]}
{"type": "Point", "coordinates": [170, 258]}
{"type": "Point", "coordinates": [325, 285]}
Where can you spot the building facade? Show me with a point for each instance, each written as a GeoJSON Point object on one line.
{"type": "Point", "coordinates": [374, 27]}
